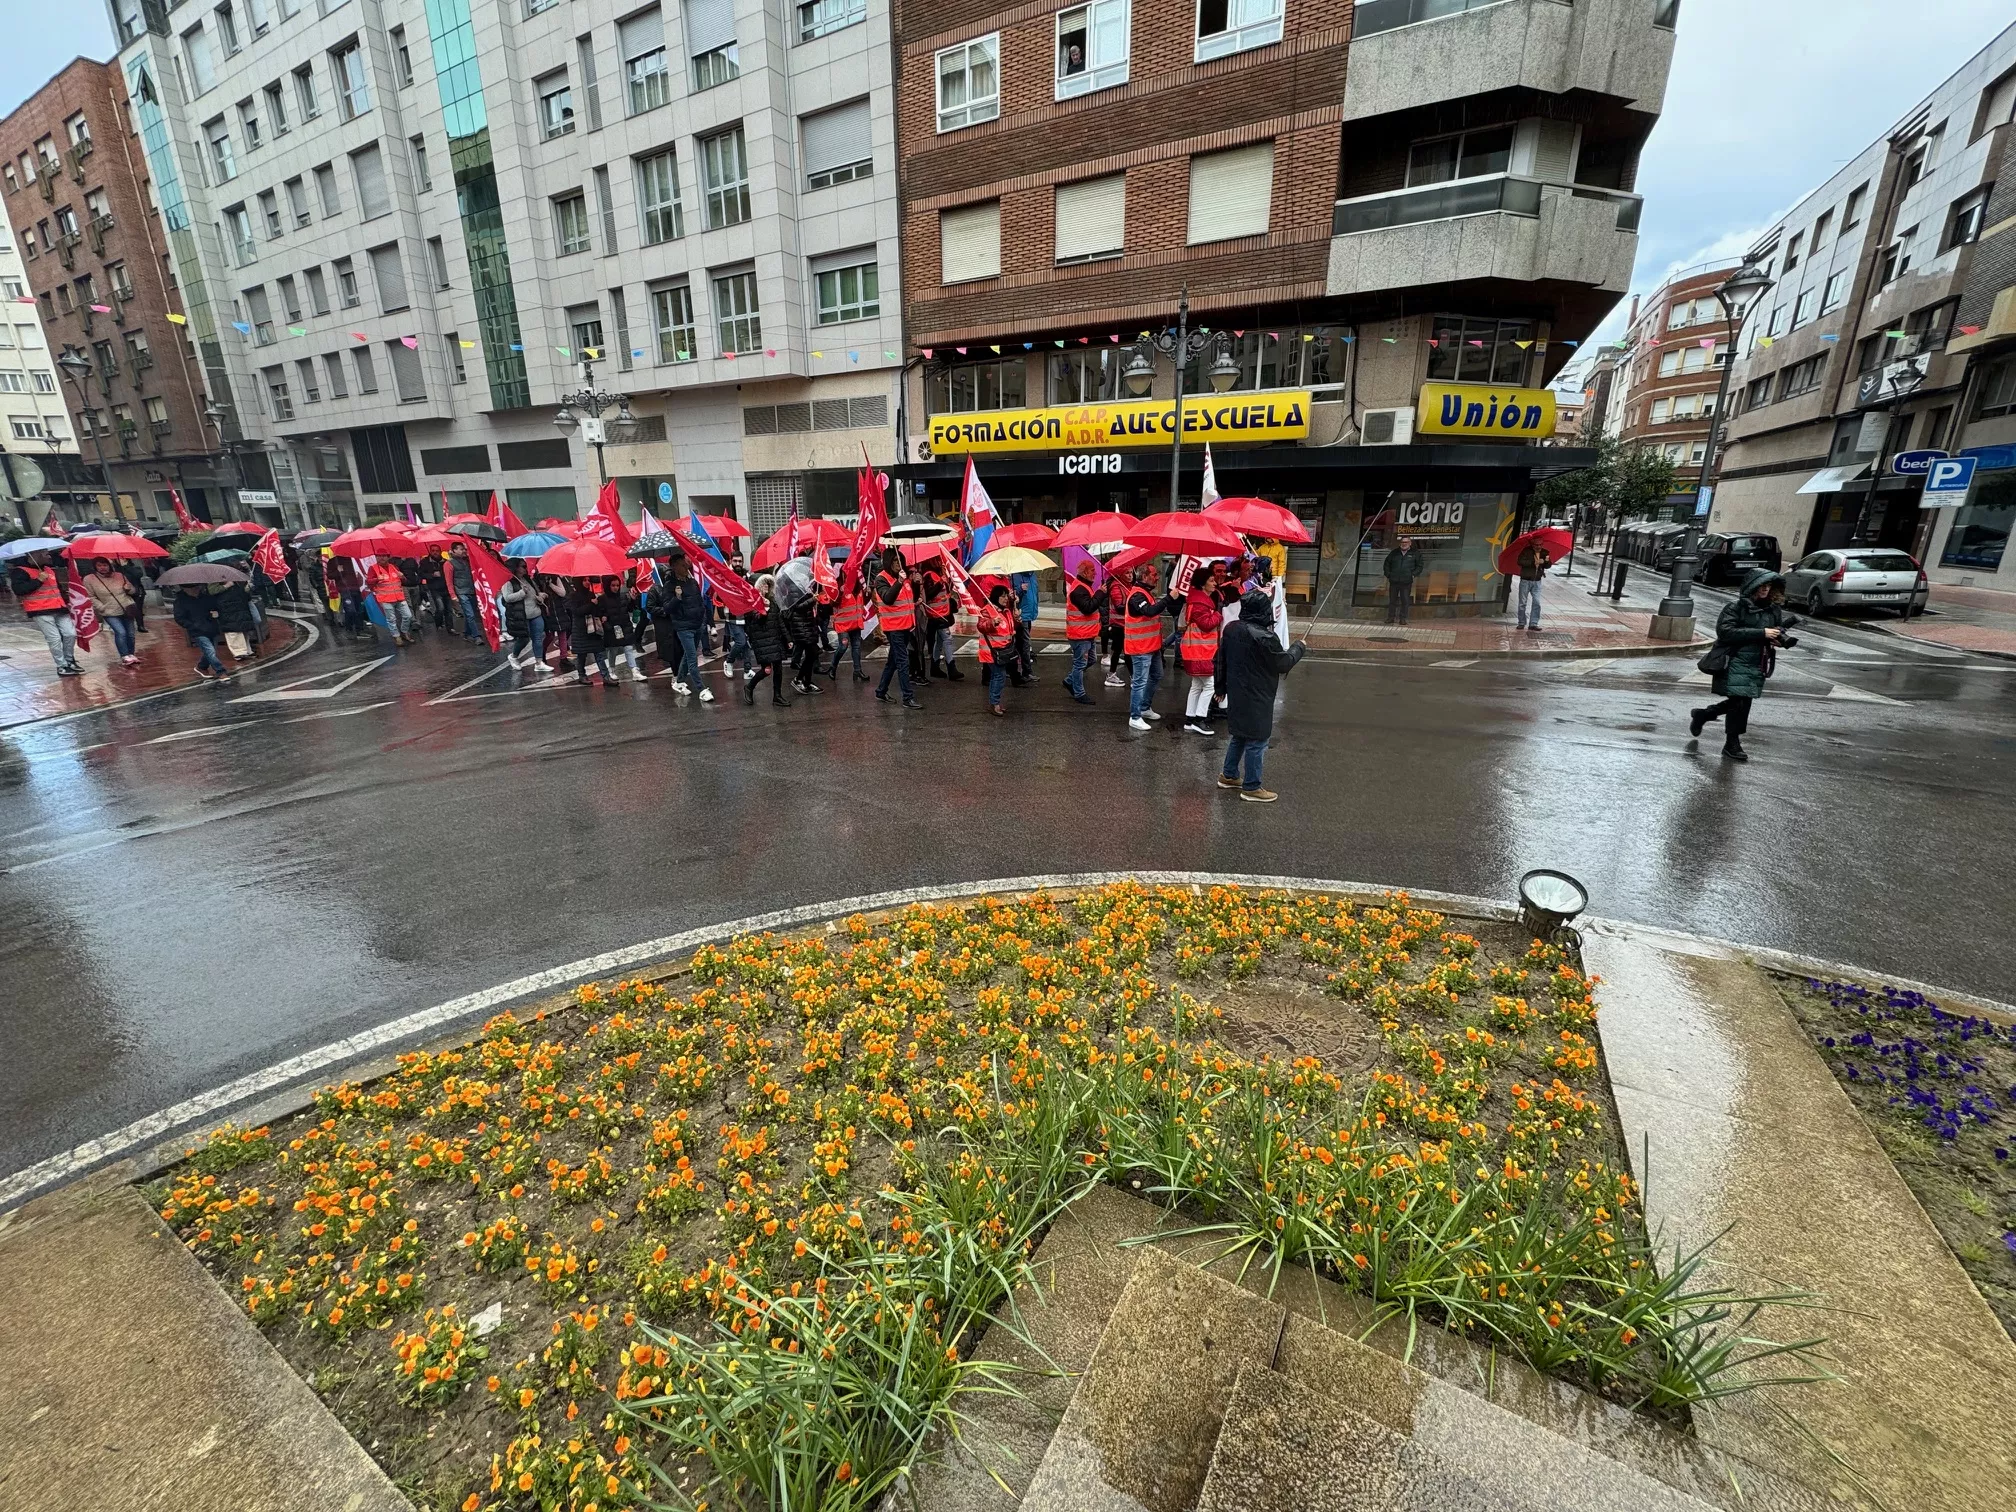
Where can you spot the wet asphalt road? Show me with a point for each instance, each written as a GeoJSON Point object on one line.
{"type": "Point", "coordinates": [196, 887]}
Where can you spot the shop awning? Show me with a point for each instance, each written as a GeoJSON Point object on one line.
{"type": "Point", "coordinates": [1834, 479]}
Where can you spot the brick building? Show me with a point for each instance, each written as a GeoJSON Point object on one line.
{"type": "Point", "coordinates": [1676, 348]}
{"type": "Point", "coordinates": [1389, 257]}
{"type": "Point", "coordinates": [76, 192]}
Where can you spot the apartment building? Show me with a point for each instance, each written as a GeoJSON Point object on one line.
{"type": "Point", "coordinates": [114, 354]}
{"type": "Point", "coordinates": [36, 425]}
{"type": "Point", "coordinates": [1391, 224]}
{"type": "Point", "coordinates": [412, 228]}
{"type": "Point", "coordinates": [1852, 358]}
{"type": "Point", "coordinates": [1676, 346]}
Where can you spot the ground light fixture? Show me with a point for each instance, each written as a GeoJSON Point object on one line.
{"type": "Point", "coordinates": [1548, 899]}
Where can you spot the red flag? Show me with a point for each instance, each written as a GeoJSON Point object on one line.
{"type": "Point", "coordinates": [962, 581]}
{"type": "Point", "coordinates": [82, 615]}
{"type": "Point", "coordinates": [183, 518]}
{"type": "Point", "coordinates": [605, 521]}
{"type": "Point", "coordinates": [490, 575]}
{"type": "Point", "coordinates": [874, 520]}
{"type": "Point", "coordinates": [793, 541]}
{"type": "Point", "coordinates": [502, 517]}
{"type": "Point", "coordinates": [737, 594]}
{"type": "Point", "coordinates": [269, 558]}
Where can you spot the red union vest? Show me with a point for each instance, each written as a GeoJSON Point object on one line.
{"type": "Point", "coordinates": [997, 634]}
{"type": "Point", "coordinates": [901, 615]}
{"type": "Point", "coordinates": [1144, 631]}
{"type": "Point", "coordinates": [1081, 624]}
{"type": "Point", "coordinates": [937, 597]}
{"type": "Point", "coordinates": [47, 596]}
{"type": "Point", "coordinates": [1200, 646]}
{"type": "Point", "coordinates": [849, 614]}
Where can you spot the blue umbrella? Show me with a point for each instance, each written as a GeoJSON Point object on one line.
{"type": "Point", "coordinates": [534, 543]}
{"type": "Point", "coordinates": [29, 545]}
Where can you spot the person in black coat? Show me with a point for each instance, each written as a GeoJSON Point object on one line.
{"type": "Point", "coordinates": [678, 614]}
{"type": "Point", "coordinates": [196, 612]}
{"type": "Point", "coordinates": [768, 642]}
{"type": "Point", "coordinates": [801, 629]}
{"type": "Point", "coordinates": [1250, 665]}
{"type": "Point", "coordinates": [233, 603]}
{"type": "Point", "coordinates": [618, 608]}
{"type": "Point", "coordinates": [589, 619]}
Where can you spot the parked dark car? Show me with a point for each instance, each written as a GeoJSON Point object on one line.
{"type": "Point", "coordinates": [1726, 560]}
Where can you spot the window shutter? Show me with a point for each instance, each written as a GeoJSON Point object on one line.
{"type": "Point", "coordinates": [1230, 193]}
{"type": "Point", "coordinates": [970, 242]}
{"type": "Point", "coordinates": [374, 195]}
{"type": "Point", "coordinates": [837, 137]}
{"type": "Point", "coordinates": [709, 24]}
{"type": "Point", "coordinates": [1554, 152]}
{"type": "Point", "coordinates": [1091, 217]}
{"type": "Point", "coordinates": [255, 301]}
{"type": "Point", "coordinates": [405, 371]}
{"type": "Point", "coordinates": [643, 33]}
{"type": "Point", "coordinates": [390, 276]}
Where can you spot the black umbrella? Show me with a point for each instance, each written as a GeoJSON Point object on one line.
{"type": "Point", "coordinates": [315, 539]}
{"type": "Point", "coordinates": [482, 530]}
{"type": "Point", "coordinates": [200, 574]}
{"type": "Point", "coordinates": [919, 530]}
{"type": "Point", "coordinates": [660, 543]}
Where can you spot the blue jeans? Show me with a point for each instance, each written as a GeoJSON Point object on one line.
{"type": "Point", "coordinates": [997, 679]}
{"type": "Point", "coordinates": [740, 652]}
{"type": "Point", "coordinates": [472, 625]}
{"type": "Point", "coordinates": [535, 632]}
{"type": "Point", "coordinates": [206, 654]}
{"type": "Point", "coordinates": [688, 669]}
{"type": "Point", "coordinates": [1083, 654]}
{"type": "Point", "coordinates": [898, 665]}
{"type": "Point", "coordinates": [1529, 596]}
{"type": "Point", "coordinates": [844, 642]}
{"type": "Point", "coordinates": [122, 632]}
{"type": "Point", "coordinates": [1147, 672]}
{"type": "Point", "coordinates": [1253, 751]}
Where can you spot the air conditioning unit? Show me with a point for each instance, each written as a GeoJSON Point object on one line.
{"type": "Point", "coordinates": [1387, 427]}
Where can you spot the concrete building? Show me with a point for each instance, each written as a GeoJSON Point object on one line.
{"type": "Point", "coordinates": [408, 228]}
{"type": "Point", "coordinates": [37, 427]}
{"type": "Point", "coordinates": [1851, 358]}
{"type": "Point", "coordinates": [1394, 228]}
{"type": "Point", "coordinates": [75, 191]}
{"type": "Point", "coordinates": [1676, 345]}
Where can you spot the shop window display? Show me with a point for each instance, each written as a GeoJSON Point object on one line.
{"type": "Point", "coordinates": [1457, 534]}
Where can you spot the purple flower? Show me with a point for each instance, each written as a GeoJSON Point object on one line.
{"type": "Point", "coordinates": [2010, 1240]}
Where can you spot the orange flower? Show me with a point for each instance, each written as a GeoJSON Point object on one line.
{"type": "Point", "coordinates": [845, 1473]}
{"type": "Point", "coordinates": [472, 1502]}
{"type": "Point", "coordinates": [623, 1443]}
{"type": "Point", "coordinates": [525, 1480]}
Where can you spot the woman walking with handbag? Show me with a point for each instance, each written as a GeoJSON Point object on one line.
{"type": "Point", "coordinates": [1748, 633]}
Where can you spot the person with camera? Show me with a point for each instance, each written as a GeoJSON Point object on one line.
{"type": "Point", "coordinates": [1751, 630]}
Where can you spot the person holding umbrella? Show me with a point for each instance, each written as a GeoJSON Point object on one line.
{"type": "Point", "coordinates": [767, 643]}
{"type": "Point", "coordinates": [462, 581]}
{"type": "Point", "coordinates": [1083, 615]}
{"type": "Point", "coordinates": [896, 597]}
{"type": "Point", "coordinates": [524, 618]}
{"type": "Point", "coordinates": [387, 586]}
{"type": "Point", "coordinates": [1533, 563]}
{"type": "Point", "coordinates": [1252, 661]}
{"type": "Point", "coordinates": [997, 625]}
{"type": "Point", "coordinates": [113, 597]}
{"type": "Point", "coordinates": [849, 615]}
{"type": "Point", "coordinates": [1203, 619]}
{"type": "Point", "coordinates": [237, 616]}
{"type": "Point", "coordinates": [937, 638]}
{"type": "Point", "coordinates": [1143, 613]}
{"type": "Point", "coordinates": [679, 615]}
{"type": "Point", "coordinates": [614, 605]}
{"type": "Point", "coordinates": [1118, 585]}
{"type": "Point", "coordinates": [196, 613]}
{"type": "Point", "coordinates": [39, 583]}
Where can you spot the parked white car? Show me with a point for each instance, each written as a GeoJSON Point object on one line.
{"type": "Point", "coordinates": [1855, 577]}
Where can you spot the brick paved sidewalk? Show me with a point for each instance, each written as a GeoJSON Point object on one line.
{"type": "Point", "coordinates": [1965, 619]}
{"type": "Point", "coordinates": [30, 688]}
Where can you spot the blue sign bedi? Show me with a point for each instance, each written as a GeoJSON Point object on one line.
{"type": "Point", "coordinates": [1950, 477]}
{"type": "Point", "coordinates": [1913, 463]}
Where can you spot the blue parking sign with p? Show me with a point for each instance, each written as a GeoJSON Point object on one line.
{"type": "Point", "coordinates": [1949, 479]}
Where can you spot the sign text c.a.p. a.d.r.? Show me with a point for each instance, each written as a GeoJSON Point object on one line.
{"type": "Point", "coordinates": [1480, 410]}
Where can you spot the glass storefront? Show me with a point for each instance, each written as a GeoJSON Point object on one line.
{"type": "Point", "coordinates": [1458, 535]}
{"type": "Point", "coordinates": [1981, 528]}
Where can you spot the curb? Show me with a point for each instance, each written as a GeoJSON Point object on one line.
{"type": "Point", "coordinates": [1567, 653]}
{"type": "Point", "coordinates": [160, 1138]}
{"type": "Point", "coordinates": [1918, 640]}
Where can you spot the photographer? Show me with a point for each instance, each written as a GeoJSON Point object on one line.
{"type": "Point", "coordinates": [1748, 635]}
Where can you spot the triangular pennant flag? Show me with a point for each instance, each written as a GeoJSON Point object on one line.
{"type": "Point", "coordinates": [769, 351]}
{"type": "Point", "coordinates": [1837, 338]}
{"type": "Point", "coordinates": [592, 353]}
{"type": "Point", "coordinates": [960, 350]}
{"type": "Point", "coordinates": [1114, 339]}
{"type": "Point", "coordinates": [563, 351]}
{"type": "Point", "coordinates": [731, 356]}
{"type": "Point", "coordinates": [411, 343]}
{"type": "Point", "coordinates": [1057, 343]}
{"type": "Point", "coordinates": [1347, 340]}
{"type": "Point", "coordinates": [174, 319]}
{"type": "Point", "coordinates": [927, 353]}
{"type": "Point", "coordinates": [994, 349]}
{"type": "Point", "coordinates": [102, 309]}
{"type": "Point", "coordinates": [1764, 341]}
{"type": "Point", "coordinates": [1571, 343]}
{"type": "Point", "coordinates": [1084, 341]}
{"type": "Point", "coordinates": [240, 326]}
{"type": "Point", "coordinates": [1238, 333]}
{"type": "Point", "coordinates": [1394, 340]}
{"type": "Point", "coordinates": [360, 336]}
{"type": "Point", "coordinates": [634, 351]}
{"type": "Point", "coordinates": [470, 346]}
{"type": "Point", "coordinates": [516, 346]}
{"type": "Point", "coordinates": [1522, 345]}
{"type": "Point", "coordinates": [1964, 331]}
{"type": "Point", "coordinates": [853, 356]}
{"type": "Point", "coordinates": [297, 330]}
{"type": "Point", "coordinates": [1273, 335]}
{"type": "Point", "coordinates": [1028, 346]}
{"type": "Point", "coordinates": [1898, 334]}
{"type": "Point", "coordinates": [1476, 343]}
{"type": "Point", "coordinates": [1433, 342]}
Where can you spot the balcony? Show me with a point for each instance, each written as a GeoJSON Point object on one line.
{"type": "Point", "coordinates": [1409, 53]}
{"type": "Point", "coordinates": [1501, 228]}
{"type": "Point", "coordinates": [78, 154]}
{"type": "Point", "coordinates": [95, 228]}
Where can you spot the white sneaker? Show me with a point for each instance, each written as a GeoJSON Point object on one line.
{"type": "Point", "coordinates": [1151, 715]}
{"type": "Point", "coordinates": [1139, 724]}
{"type": "Point", "coordinates": [1114, 681]}
{"type": "Point", "coordinates": [706, 695]}
{"type": "Point", "coordinates": [680, 687]}
{"type": "Point", "coordinates": [1194, 728]}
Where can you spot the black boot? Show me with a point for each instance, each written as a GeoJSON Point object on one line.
{"type": "Point", "coordinates": [780, 701]}
{"type": "Point", "coordinates": [1697, 720]}
{"type": "Point", "coordinates": [749, 690]}
{"type": "Point", "coordinates": [1734, 752]}
{"type": "Point", "coordinates": [952, 671]}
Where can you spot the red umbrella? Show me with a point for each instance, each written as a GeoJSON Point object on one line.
{"type": "Point", "coordinates": [1034, 536]}
{"type": "Point", "coordinates": [1180, 534]}
{"type": "Point", "coordinates": [587, 557]}
{"type": "Point", "coordinates": [375, 540]}
{"type": "Point", "coordinates": [917, 553]}
{"type": "Point", "coordinates": [814, 532]}
{"type": "Point", "coordinates": [432, 535]}
{"type": "Point", "coordinates": [1101, 528]}
{"type": "Point", "coordinates": [238, 527]}
{"type": "Point", "coordinates": [466, 519]}
{"type": "Point", "coordinates": [1130, 558]}
{"type": "Point", "coordinates": [1552, 539]}
{"type": "Point", "coordinates": [721, 525]}
{"type": "Point", "coordinates": [111, 544]}
{"type": "Point", "coordinates": [1257, 517]}
{"type": "Point", "coordinates": [567, 528]}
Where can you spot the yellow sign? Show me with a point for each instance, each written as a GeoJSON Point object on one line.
{"type": "Point", "coordinates": [1477, 409]}
{"type": "Point", "coordinates": [1276, 415]}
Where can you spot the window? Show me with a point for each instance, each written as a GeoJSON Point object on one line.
{"type": "Point", "coordinates": [658, 197]}
{"type": "Point", "coordinates": [736, 316]}
{"type": "Point", "coordinates": [1897, 257]}
{"type": "Point", "coordinates": [969, 242]}
{"type": "Point", "coordinates": [276, 109]}
{"type": "Point", "coordinates": [458, 371]}
{"type": "Point", "coordinates": [1792, 251]}
{"type": "Point", "coordinates": [406, 380]}
{"type": "Point", "coordinates": [1851, 213]}
{"type": "Point", "coordinates": [1807, 306]}
{"type": "Point", "coordinates": [839, 145]}
{"type": "Point", "coordinates": [311, 388]}
{"type": "Point", "coordinates": [402, 56]}
{"type": "Point", "coordinates": [304, 93]}
{"type": "Point", "coordinates": [223, 162]}
{"type": "Point", "coordinates": [961, 388]}
{"type": "Point", "coordinates": [318, 290]}
{"type": "Point", "coordinates": [642, 39]}
{"type": "Point", "coordinates": [1091, 218]}
{"type": "Point", "coordinates": [269, 213]}
{"type": "Point", "coordinates": [332, 375]}
{"type": "Point", "coordinates": [1666, 13]}
{"type": "Point", "coordinates": [297, 202]}
{"type": "Point", "coordinates": [197, 58]}
{"type": "Point", "coordinates": [1669, 364]}
{"type": "Point", "coordinates": [584, 53]}
{"type": "Point", "coordinates": [248, 125]}
{"type": "Point", "coordinates": [12, 382]}
{"type": "Point", "coordinates": [1932, 327]}
{"type": "Point", "coordinates": [725, 165]}
{"type": "Point", "coordinates": [27, 427]}
{"type": "Point", "coordinates": [1470, 154]}
{"type": "Point", "coordinates": [227, 29]}
{"type": "Point", "coordinates": [325, 190]}
{"type": "Point", "coordinates": [278, 403]}
{"type": "Point", "coordinates": [1820, 229]}
{"type": "Point", "coordinates": [13, 183]}
{"type": "Point", "coordinates": [77, 129]}
{"type": "Point", "coordinates": [1480, 349]}
{"type": "Point", "coordinates": [437, 259]}
{"type": "Point", "coordinates": [45, 382]}
{"type": "Point", "coordinates": [584, 325]}
{"type": "Point", "coordinates": [816, 18]}
{"type": "Point", "coordinates": [851, 291]}
{"type": "Point", "coordinates": [969, 83]}
{"type": "Point", "coordinates": [367, 371]}
{"type": "Point", "coordinates": [716, 67]}
{"type": "Point", "coordinates": [66, 224]}
{"type": "Point", "coordinates": [1230, 193]}
{"type": "Point", "coordinates": [570, 222]}
{"type": "Point", "coordinates": [1091, 47]}
{"type": "Point", "coordinates": [605, 203]}
{"type": "Point", "coordinates": [346, 283]}
{"type": "Point", "coordinates": [290, 296]}
{"type": "Point", "coordinates": [556, 105]}
{"type": "Point", "coordinates": [672, 318]}
{"type": "Point", "coordinates": [389, 274]}
{"type": "Point", "coordinates": [1695, 359]}
{"type": "Point", "coordinates": [374, 192]}
{"type": "Point", "coordinates": [710, 41]}
{"type": "Point", "coordinates": [1963, 225]}
{"type": "Point", "coordinates": [1836, 291]}
{"type": "Point", "coordinates": [353, 81]}
{"type": "Point", "coordinates": [28, 242]}
{"type": "Point", "coordinates": [1662, 411]}
{"type": "Point", "coordinates": [422, 175]}
{"type": "Point", "coordinates": [238, 228]}
{"type": "Point", "coordinates": [1802, 377]}
{"type": "Point", "coordinates": [1229, 26]}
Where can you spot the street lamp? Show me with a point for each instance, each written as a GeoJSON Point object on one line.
{"type": "Point", "coordinates": [583, 410]}
{"type": "Point", "coordinates": [1180, 345]}
{"type": "Point", "coordinates": [1902, 382]}
{"type": "Point", "coordinates": [1738, 294]}
{"type": "Point", "coordinates": [78, 369]}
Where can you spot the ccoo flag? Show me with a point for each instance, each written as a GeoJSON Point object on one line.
{"type": "Point", "coordinates": [737, 594]}
{"type": "Point", "coordinates": [977, 510]}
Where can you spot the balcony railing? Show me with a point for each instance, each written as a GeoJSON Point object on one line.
{"type": "Point", "coordinates": [1497, 194]}
{"type": "Point", "coordinates": [1374, 16]}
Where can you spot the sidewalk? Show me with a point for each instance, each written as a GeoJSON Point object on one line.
{"type": "Point", "coordinates": [1966, 619]}
{"type": "Point", "coordinates": [30, 688]}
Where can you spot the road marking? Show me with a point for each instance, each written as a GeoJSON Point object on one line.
{"type": "Point", "coordinates": [204, 730]}
{"type": "Point", "coordinates": [384, 703]}
{"type": "Point", "coordinates": [480, 677]}
{"type": "Point", "coordinates": [1592, 664]}
{"type": "Point", "coordinates": [299, 687]}
{"type": "Point", "coordinates": [1468, 662]}
{"type": "Point", "coordinates": [1859, 695]}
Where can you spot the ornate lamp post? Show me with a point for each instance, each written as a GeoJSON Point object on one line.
{"type": "Point", "coordinates": [78, 369]}
{"type": "Point", "coordinates": [583, 411]}
{"type": "Point", "coordinates": [1738, 294]}
{"type": "Point", "coordinates": [1180, 345]}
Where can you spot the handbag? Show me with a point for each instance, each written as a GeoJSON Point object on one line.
{"type": "Point", "coordinates": [1717, 659]}
{"type": "Point", "coordinates": [236, 644]}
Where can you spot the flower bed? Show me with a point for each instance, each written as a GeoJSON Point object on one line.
{"type": "Point", "coordinates": [739, 1231]}
{"type": "Point", "coordinates": [1939, 1089]}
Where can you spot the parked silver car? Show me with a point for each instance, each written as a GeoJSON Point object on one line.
{"type": "Point", "coordinates": [1854, 577]}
